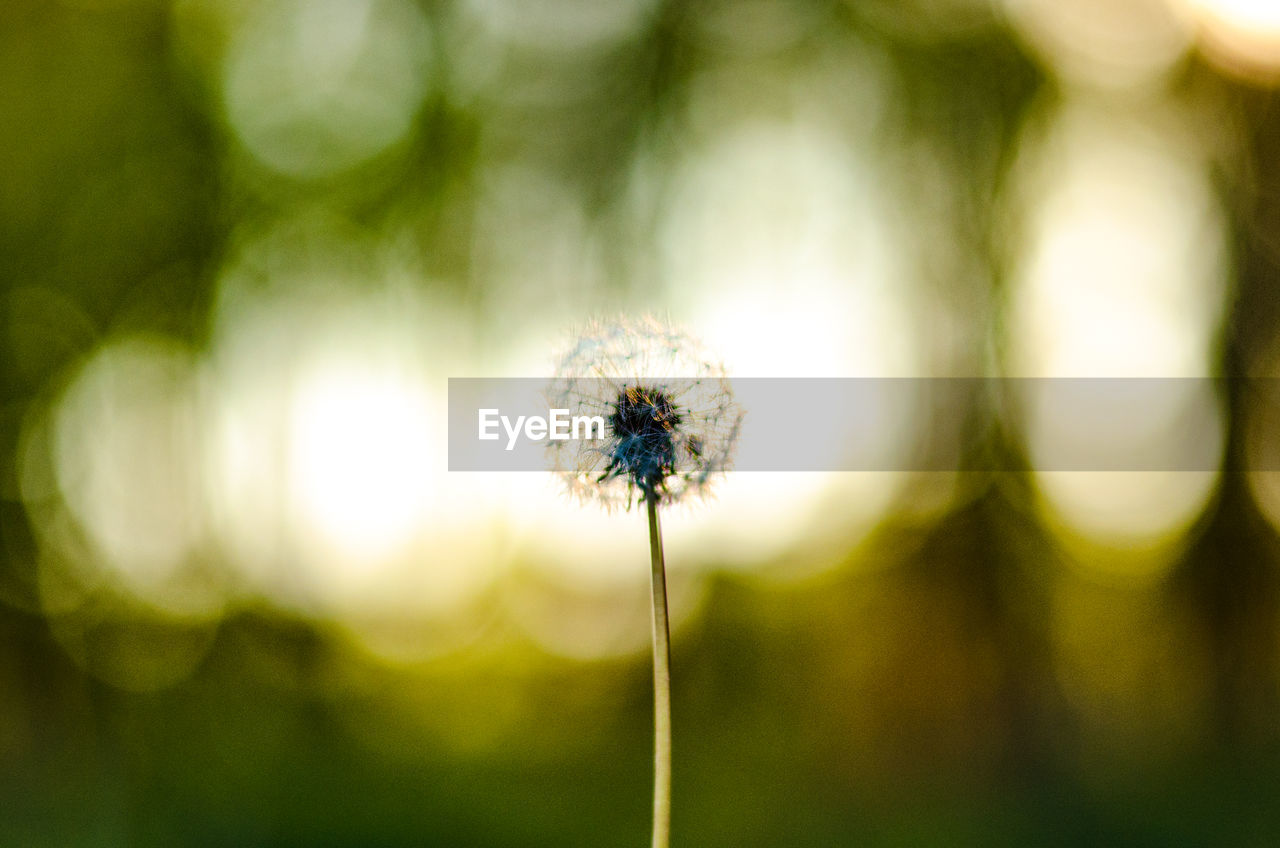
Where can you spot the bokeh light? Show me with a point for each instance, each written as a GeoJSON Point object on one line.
{"type": "Point", "coordinates": [1240, 36]}
{"type": "Point", "coordinates": [358, 458]}
{"type": "Point", "coordinates": [124, 442]}
{"type": "Point", "coordinates": [558, 25]}
{"type": "Point", "coordinates": [1109, 44]}
{"type": "Point", "coordinates": [312, 88]}
{"type": "Point", "coordinates": [328, 487]}
{"type": "Point", "coordinates": [782, 232]}
{"type": "Point", "coordinates": [1123, 277]}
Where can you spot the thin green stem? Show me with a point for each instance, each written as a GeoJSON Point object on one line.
{"type": "Point", "coordinates": [661, 683]}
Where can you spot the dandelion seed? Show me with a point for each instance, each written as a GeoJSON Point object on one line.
{"type": "Point", "coordinates": [672, 421]}
{"type": "Point", "coordinates": [671, 426]}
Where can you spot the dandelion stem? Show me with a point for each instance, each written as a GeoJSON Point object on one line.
{"type": "Point", "coordinates": [661, 683]}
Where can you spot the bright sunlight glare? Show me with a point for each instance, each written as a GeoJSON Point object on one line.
{"type": "Point", "coordinates": [1240, 36]}
{"type": "Point", "coordinates": [358, 463]}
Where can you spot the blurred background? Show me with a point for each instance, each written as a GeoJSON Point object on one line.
{"type": "Point", "coordinates": [244, 244]}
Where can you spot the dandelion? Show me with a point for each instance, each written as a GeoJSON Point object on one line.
{"type": "Point", "coordinates": [672, 422]}
{"type": "Point", "coordinates": [671, 427]}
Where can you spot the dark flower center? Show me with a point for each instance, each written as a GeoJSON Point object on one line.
{"type": "Point", "coordinates": [644, 423]}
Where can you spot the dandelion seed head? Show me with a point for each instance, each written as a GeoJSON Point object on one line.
{"type": "Point", "coordinates": [671, 421]}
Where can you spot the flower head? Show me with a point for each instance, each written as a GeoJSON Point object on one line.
{"type": "Point", "coordinates": [671, 422]}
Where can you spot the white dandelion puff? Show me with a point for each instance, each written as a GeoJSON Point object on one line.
{"type": "Point", "coordinates": [671, 421]}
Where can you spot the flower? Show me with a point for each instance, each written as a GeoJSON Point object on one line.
{"type": "Point", "coordinates": [671, 422]}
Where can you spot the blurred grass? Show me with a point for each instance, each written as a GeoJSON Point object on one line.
{"type": "Point", "coordinates": [292, 753]}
